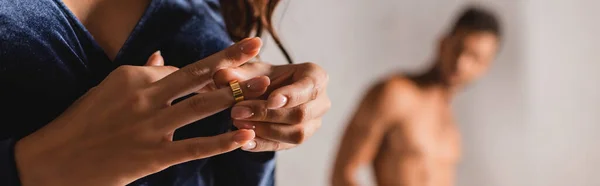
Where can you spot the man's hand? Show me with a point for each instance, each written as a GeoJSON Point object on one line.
{"type": "Point", "coordinates": [292, 108]}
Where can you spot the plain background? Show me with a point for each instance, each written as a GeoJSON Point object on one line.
{"type": "Point", "coordinates": [532, 121]}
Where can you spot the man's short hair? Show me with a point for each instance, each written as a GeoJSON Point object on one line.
{"type": "Point", "coordinates": [476, 18]}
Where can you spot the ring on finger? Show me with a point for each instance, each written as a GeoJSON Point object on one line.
{"type": "Point", "coordinates": [238, 95]}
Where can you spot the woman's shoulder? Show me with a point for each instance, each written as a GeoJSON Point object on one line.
{"type": "Point", "coordinates": [31, 29]}
{"type": "Point", "coordinates": [25, 22]}
{"type": "Point", "coordinates": [20, 15]}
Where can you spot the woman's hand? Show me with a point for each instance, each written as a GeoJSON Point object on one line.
{"type": "Point", "coordinates": [291, 112]}
{"type": "Point", "coordinates": [122, 129]}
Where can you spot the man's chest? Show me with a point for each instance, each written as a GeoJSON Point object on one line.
{"type": "Point", "coordinates": [432, 132]}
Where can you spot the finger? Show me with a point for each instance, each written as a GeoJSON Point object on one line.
{"type": "Point", "coordinates": [155, 59]}
{"type": "Point", "coordinates": [203, 105]}
{"type": "Point", "coordinates": [194, 76]}
{"type": "Point", "coordinates": [294, 134]}
{"type": "Point", "coordinates": [203, 147]}
{"type": "Point", "coordinates": [210, 87]}
{"type": "Point", "coordinates": [155, 69]}
{"type": "Point", "coordinates": [308, 87]}
{"type": "Point", "coordinates": [241, 73]}
{"type": "Point", "coordinates": [292, 95]}
{"type": "Point", "coordinates": [155, 73]}
{"type": "Point", "coordinates": [264, 145]}
{"type": "Point", "coordinates": [256, 110]}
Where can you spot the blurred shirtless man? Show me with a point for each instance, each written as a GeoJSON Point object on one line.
{"type": "Point", "coordinates": [404, 126]}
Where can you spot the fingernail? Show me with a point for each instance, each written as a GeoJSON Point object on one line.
{"type": "Point", "coordinates": [250, 46]}
{"type": "Point", "coordinates": [157, 52]}
{"type": "Point", "coordinates": [250, 145]}
{"type": "Point", "coordinates": [255, 85]}
{"type": "Point", "coordinates": [277, 101]}
{"type": "Point", "coordinates": [242, 137]}
{"type": "Point", "coordinates": [241, 112]}
{"type": "Point", "coordinates": [248, 126]}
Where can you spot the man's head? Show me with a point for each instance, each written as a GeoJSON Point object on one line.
{"type": "Point", "coordinates": [466, 52]}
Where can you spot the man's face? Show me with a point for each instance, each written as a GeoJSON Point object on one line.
{"type": "Point", "coordinates": [467, 55]}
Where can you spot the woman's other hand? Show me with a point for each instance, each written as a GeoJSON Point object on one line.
{"type": "Point", "coordinates": [122, 129]}
{"type": "Point", "coordinates": [292, 109]}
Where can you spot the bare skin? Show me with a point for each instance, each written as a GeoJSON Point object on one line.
{"type": "Point", "coordinates": [404, 126]}
{"type": "Point", "coordinates": [122, 16]}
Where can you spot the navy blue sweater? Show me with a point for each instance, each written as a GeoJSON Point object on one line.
{"type": "Point", "coordinates": [48, 59]}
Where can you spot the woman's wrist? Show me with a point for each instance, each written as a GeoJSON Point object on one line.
{"type": "Point", "coordinates": [37, 164]}
{"type": "Point", "coordinates": [24, 164]}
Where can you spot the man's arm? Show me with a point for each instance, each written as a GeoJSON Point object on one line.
{"type": "Point", "coordinates": [365, 133]}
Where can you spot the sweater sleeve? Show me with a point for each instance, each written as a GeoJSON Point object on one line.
{"type": "Point", "coordinates": [238, 168]}
{"type": "Point", "coordinates": [8, 168]}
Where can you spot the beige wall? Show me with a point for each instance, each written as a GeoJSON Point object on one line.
{"type": "Point", "coordinates": [563, 92]}
{"type": "Point", "coordinates": [517, 127]}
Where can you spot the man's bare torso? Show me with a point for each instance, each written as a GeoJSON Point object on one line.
{"type": "Point", "coordinates": [424, 147]}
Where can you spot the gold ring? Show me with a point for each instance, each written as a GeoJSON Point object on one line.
{"type": "Point", "coordinates": [238, 95]}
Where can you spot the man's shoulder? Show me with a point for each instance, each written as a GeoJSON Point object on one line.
{"type": "Point", "coordinates": [395, 93]}
{"type": "Point", "coordinates": [397, 88]}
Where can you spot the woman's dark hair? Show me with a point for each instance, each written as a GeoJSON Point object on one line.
{"type": "Point", "coordinates": [244, 17]}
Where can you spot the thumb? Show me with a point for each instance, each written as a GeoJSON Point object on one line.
{"type": "Point", "coordinates": [203, 147]}
{"type": "Point", "coordinates": [155, 60]}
